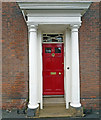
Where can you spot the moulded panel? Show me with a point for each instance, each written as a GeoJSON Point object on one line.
{"type": "Point", "coordinates": [47, 86]}
{"type": "Point", "coordinates": [57, 63]}
{"type": "Point", "coordinates": [58, 84]}
{"type": "Point", "coordinates": [48, 63]}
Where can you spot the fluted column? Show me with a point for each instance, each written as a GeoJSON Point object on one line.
{"type": "Point", "coordinates": [33, 95]}
{"type": "Point", "coordinates": [75, 102]}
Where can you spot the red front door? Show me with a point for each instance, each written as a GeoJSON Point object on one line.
{"type": "Point", "coordinates": [53, 69]}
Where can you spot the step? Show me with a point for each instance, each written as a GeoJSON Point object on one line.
{"type": "Point", "coordinates": [60, 111]}
{"type": "Point", "coordinates": [53, 96]}
{"type": "Point", "coordinates": [53, 100]}
{"type": "Point", "coordinates": [53, 104]}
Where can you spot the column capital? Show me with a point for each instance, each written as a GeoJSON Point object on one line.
{"type": "Point", "coordinates": [75, 27]}
{"type": "Point", "coordinates": [32, 28]}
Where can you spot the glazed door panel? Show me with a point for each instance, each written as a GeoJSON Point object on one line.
{"type": "Point", "coordinates": [53, 69]}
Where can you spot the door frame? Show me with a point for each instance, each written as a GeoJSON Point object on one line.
{"type": "Point", "coordinates": [66, 73]}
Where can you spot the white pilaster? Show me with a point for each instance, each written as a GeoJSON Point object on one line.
{"type": "Point", "coordinates": [67, 66]}
{"type": "Point", "coordinates": [75, 102]}
{"type": "Point", "coordinates": [33, 95]}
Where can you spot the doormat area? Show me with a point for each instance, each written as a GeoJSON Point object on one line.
{"type": "Point", "coordinates": [55, 110]}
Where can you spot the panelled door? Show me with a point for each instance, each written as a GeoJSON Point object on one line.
{"type": "Point", "coordinates": [53, 69]}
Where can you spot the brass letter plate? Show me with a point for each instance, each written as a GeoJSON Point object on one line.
{"type": "Point", "coordinates": [53, 73]}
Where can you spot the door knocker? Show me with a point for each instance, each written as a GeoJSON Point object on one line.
{"type": "Point", "coordinates": [53, 54]}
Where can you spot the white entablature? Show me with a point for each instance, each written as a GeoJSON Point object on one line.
{"type": "Point", "coordinates": [53, 12]}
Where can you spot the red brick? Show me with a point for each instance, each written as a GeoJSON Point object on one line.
{"type": "Point", "coordinates": [15, 56]}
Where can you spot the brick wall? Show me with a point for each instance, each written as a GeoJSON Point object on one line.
{"type": "Point", "coordinates": [89, 57]}
{"type": "Point", "coordinates": [15, 56]}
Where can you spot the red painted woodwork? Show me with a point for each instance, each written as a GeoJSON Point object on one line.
{"type": "Point", "coordinates": [53, 84]}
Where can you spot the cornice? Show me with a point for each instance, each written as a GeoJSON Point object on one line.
{"type": "Point", "coordinates": [54, 5]}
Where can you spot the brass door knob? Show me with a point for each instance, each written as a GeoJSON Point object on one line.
{"type": "Point", "coordinates": [59, 73]}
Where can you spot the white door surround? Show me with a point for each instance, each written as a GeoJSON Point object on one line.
{"type": "Point", "coordinates": [54, 16]}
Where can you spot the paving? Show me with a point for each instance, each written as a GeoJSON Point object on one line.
{"type": "Point", "coordinates": [51, 111]}
{"type": "Point", "coordinates": [14, 114]}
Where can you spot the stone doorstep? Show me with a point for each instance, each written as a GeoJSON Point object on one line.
{"type": "Point", "coordinates": [53, 100]}
{"type": "Point", "coordinates": [53, 104]}
{"type": "Point", "coordinates": [56, 111]}
{"type": "Point", "coordinates": [60, 111]}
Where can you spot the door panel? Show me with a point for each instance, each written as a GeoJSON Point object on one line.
{"type": "Point", "coordinates": [56, 63]}
{"type": "Point", "coordinates": [48, 63]}
{"type": "Point", "coordinates": [53, 69]}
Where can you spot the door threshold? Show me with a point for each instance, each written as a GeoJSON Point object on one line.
{"type": "Point", "coordinates": [53, 96]}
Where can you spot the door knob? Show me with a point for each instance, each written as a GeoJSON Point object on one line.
{"type": "Point", "coordinates": [59, 73]}
{"type": "Point", "coordinates": [68, 68]}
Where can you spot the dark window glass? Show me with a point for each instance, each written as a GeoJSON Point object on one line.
{"type": "Point", "coordinates": [52, 37]}
{"type": "Point", "coordinates": [47, 50]}
{"type": "Point", "coordinates": [60, 39]}
{"type": "Point", "coordinates": [58, 50]}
